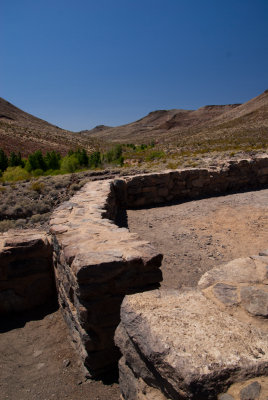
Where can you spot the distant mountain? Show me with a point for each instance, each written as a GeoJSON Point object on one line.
{"type": "Point", "coordinates": [20, 131]}
{"type": "Point", "coordinates": [215, 122]}
{"type": "Point", "coordinates": [232, 123]}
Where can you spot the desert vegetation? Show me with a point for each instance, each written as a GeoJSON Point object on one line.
{"type": "Point", "coordinates": [29, 203]}
{"type": "Point", "coordinates": [15, 168]}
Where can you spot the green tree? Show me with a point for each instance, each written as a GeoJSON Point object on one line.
{"type": "Point", "coordinates": [70, 163]}
{"type": "Point", "coordinates": [94, 159]}
{"type": "Point", "coordinates": [82, 157]}
{"type": "Point", "coordinates": [15, 160]}
{"type": "Point", "coordinates": [114, 155]}
{"type": "Point", "coordinates": [36, 161]}
{"type": "Point", "coordinates": [3, 160]}
{"type": "Point", "coordinates": [52, 160]}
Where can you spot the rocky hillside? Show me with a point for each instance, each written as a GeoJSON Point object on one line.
{"type": "Point", "coordinates": [20, 131]}
{"type": "Point", "coordinates": [210, 127]}
{"type": "Point", "coordinates": [226, 123]}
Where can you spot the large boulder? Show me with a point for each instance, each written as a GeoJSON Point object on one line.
{"type": "Point", "coordinates": [201, 343]}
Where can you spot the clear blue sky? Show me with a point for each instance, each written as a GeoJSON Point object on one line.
{"type": "Point", "coordinates": [80, 63]}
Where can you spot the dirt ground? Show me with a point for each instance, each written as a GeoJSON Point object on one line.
{"type": "Point", "coordinates": [37, 360]}
{"type": "Point", "coordinates": [197, 235]}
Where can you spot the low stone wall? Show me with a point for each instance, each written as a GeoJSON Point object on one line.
{"type": "Point", "coordinates": [144, 190]}
{"type": "Point", "coordinates": [96, 265]}
{"type": "Point", "coordinates": [26, 273]}
{"type": "Point", "coordinates": [199, 345]}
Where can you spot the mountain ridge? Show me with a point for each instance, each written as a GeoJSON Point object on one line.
{"type": "Point", "coordinates": [21, 131]}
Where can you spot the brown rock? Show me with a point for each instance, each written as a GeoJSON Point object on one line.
{"type": "Point", "coordinates": [188, 344]}
{"type": "Point", "coordinates": [227, 294]}
{"type": "Point", "coordinates": [255, 300]}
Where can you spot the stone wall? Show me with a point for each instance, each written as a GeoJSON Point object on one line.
{"type": "Point", "coordinates": [26, 271]}
{"type": "Point", "coordinates": [144, 190]}
{"type": "Point", "coordinates": [96, 265]}
{"type": "Point", "coordinates": [205, 343]}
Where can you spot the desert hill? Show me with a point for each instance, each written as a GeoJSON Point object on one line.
{"type": "Point", "coordinates": [233, 122]}
{"type": "Point", "coordinates": [211, 125]}
{"type": "Point", "coordinates": [22, 131]}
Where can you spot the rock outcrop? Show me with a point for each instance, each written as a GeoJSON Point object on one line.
{"type": "Point", "coordinates": [26, 273]}
{"type": "Point", "coordinates": [203, 343]}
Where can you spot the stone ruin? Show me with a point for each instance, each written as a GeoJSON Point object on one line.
{"type": "Point", "coordinates": [193, 344]}
{"type": "Point", "coordinates": [96, 265]}
{"type": "Point", "coordinates": [26, 274]}
{"type": "Point", "coordinates": [201, 343]}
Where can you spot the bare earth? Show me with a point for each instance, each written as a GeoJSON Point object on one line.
{"type": "Point", "coordinates": [37, 360]}
{"type": "Point", "coordinates": [38, 363]}
{"type": "Point", "coordinates": [198, 235]}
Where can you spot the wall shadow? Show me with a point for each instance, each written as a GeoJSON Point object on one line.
{"type": "Point", "coordinates": [19, 320]}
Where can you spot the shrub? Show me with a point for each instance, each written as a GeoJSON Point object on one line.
{"type": "Point", "coordinates": [14, 174]}
{"type": "Point", "coordinates": [70, 163]}
{"type": "Point", "coordinates": [75, 187]}
{"type": "Point", "coordinates": [38, 172]}
{"type": "Point", "coordinates": [20, 223]}
{"type": "Point", "coordinates": [172, 165]}
{"type": "Point", "coordinates": [6, 225]}
{"type": "Point", "coordinates": [155, 155]}
{"type": "Point", "coordinates": [41, 207]}
{"type": "Point", "coordinates": [37, 186]}
{"type": "Point", "coordinates": [36, 218]}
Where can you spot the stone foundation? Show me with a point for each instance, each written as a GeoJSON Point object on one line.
{"type": "Point", "coordinates": [190, 183]}
{"type": "Point", "coordinates": [199, 344]}
{"type": "Point", "coordinates": [26, 273]}
{"type": "Point", "coordinates": [96, 265]}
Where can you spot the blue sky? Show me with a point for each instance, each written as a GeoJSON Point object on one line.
{"type": "Point", "coordinates": [81, 63]}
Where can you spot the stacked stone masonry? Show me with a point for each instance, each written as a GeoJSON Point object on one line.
{"type": "Point", "coordinates": [201, 344]}
{"type": "Point", "coordinates": [96, 263]}
{"type": "Point", "coordinates": [26, 271]}
{"type": "Point", "coordinates": [144, 190]}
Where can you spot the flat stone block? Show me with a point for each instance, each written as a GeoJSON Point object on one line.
{"type": "Point", "coordinates": [191, 344]}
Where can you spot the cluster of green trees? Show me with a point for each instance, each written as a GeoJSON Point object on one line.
{"type": "Point", "coordinates": [13, 160]}
{"type": "Point", "coordinates": [114, 155]}
{"type": "Point", "coordinates": [141, 146]}
{"type": "Point", "coordinates": [52, 162]}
